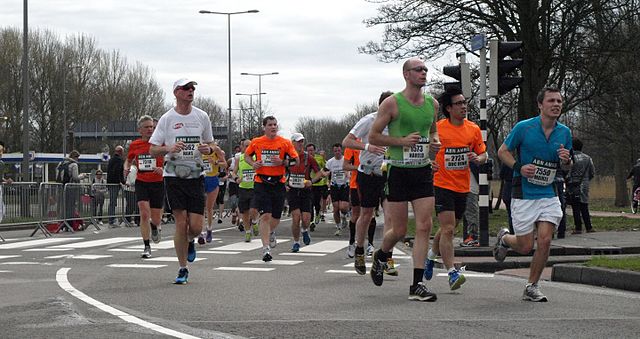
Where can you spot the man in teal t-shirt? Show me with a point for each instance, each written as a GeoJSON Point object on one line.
{"type": "Point", "coordinates": [410, 116]}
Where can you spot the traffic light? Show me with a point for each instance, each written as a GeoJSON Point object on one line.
{"type": "Point", "coordinates": [499, 67]}
{"type": "Point", "coordinates": [462, 73]}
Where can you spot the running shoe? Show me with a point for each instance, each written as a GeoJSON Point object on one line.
{"type": "Point", "coordinates": [146, 254]}
{"type": "Point", "coordinates": [201, 239]}
{"type": "Point", "coordinates": [499, 250]}
{"type": "Point", "coordinates": [420, 292]}
{"type": "Point", "coordinates": [428, 268]}
{"type": "Point", "coordinates": [312, 226]}
{"type": "Point", "coordinates": [266, 255]}
{"type": "Point", "coordinates": [359, 265]}
{"type": "Point", "coordinates": [469, 242]}
{"type": "Point", "coordinates": [295, 248]}
{"type": "Point", "coordinates": [338, 231]}
{"type": "Point", "coordinates": [191, 252]}
{"type": "Point", "coordinates": [183, 276]}
{"type": "Point", "coordinates": [322, 218]}
{"type": "Point", "coordinates": [370, 250]}
{"type": "Point", "coordinates": [532, 293]}
{"type": "Point", "coordinates": [351, 250]}
{"type": "Point", "coordinates": [254, 227]}
{"type": "Point", "coordinates": [306, 239]}
{"type": "Point", "coordinates": [240, 227]}
{"type": "Point", "coordinates": [209, 236]}
{"type": "Point", "coordinates": [272, 239]}
{"type": "Point", "coordinates": [377, 269]}
{"type": "Point", "coordinates": [247, 237]}
{"type": "Point", "coordinates": [456, 279]}
{"type": "Point", "coordinates": [155, 235]}
{"type": "Point", "coordinates": [219, 221]}
{"type": "Point", "coordinates": [391, 268]}
{"type": "Point", "coordinates": [316, 219]}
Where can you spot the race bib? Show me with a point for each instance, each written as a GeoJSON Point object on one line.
{"type": "Point", "coordinates": [416, 154]}
{"type": "Point", "coordinates": [545, 172]}
{"type": "Point", "coordinates": [190, 147]}
{"type": "Point", "coordinates": [247, 175]}
{"type": "Point", "coordinates": [296, 180]}
{"type": "Point", "coordinates": [206, 165]}
{"type": "Point", "coordinates": [338, 177]}
{"type": "Point", "coordinates": [456, 158]}
{"type": "Point", "coordinates": [146, 162]}
{"type": "Point", "coordinates": [268, 156]}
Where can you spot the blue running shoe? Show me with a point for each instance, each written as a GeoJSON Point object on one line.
{"type": "Point", "coordinates": [306, 239]}
{"type": "Point", "coordinates": [191, 252]}
{"type": "Point", "coordinates": [183, 276]}
{"type": "Point", "coordinates": [295, 248]}
{"type": "Point", "coordinates": [209, 237]}
{"type": "Point", "coordinates": [428, 268]}
{"type": "Point", "coordinates": [456, 279]}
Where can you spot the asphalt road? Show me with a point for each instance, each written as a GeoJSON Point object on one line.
{"type": "Point", "coordinates": [94, 284]}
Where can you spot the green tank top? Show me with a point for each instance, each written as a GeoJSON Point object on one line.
{"type": "Point", "coordinates": [411, 119]}
{"type": "Point", "coordinates": [246, 172]}
{"type": "Point", "coordinates": [321, 162]}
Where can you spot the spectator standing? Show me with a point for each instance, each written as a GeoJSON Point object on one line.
{"type": "Point", "coordinates": [115, 177]}
{"type": "Point", "coordinates": [578, 184]}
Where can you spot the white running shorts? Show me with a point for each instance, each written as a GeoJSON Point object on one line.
{"type": "Point", "coordinates": [526, 212]}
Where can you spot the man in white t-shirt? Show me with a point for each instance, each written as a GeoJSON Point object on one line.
{"type": "Point", "coordinates": [181, 136]}
{"type": "Point", "coordinates": [339, 188]}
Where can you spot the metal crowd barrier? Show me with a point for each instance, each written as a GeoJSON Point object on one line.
{"type": "Point", "coordinates": [19, 204]}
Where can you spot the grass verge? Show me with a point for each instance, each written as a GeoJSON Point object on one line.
{"type": "Point", "coordinates": [627, 263]}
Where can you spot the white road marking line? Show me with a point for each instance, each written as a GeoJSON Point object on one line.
{"type": "Point", "coordinates": [49, 249]}
{"type": "Point", "coordinates": [246, 246]}
{"type": "Point", "coordinates": [341, 271]}
{"type": "Point", "coordinates": [163, 245]}
{"type": "Point", "coordinates": [304, 254]}
{"type": "Point", "coordinates": [274, 262]}
{"type": "Point", "coordinates": [63, 282]}
{"type": "Point", "coordinates": [326, 246]}
{"type": "Point", "coordinates": [79, 256]}
{"type": "Point", "coordinates": [33, 243]}
{"type": "Point", "coordinates": [250, 269]}
{"type": "Point", "coordinates": [2, 271]}
{"type": "Point", "coordinates": [467, 274]}
{"type": "Point", "coordinates": [352, 264]}
{"type": "Point", "coordinates": [125, 250]}
{"type": "Point", "coordinates": [9, 256]}
{"type": "Point", "coordinates": [25, 263]}
{"type": "Point", "coordinates": [135, 266]}
{"type": "Point", "coordinates": [169, 259]}
{"type": "Point", "coordinates": [218, 252]}
{"type": "Point", "coordinates": [398, 251]}
{"type": "Point", "coordinates": [96, 243]}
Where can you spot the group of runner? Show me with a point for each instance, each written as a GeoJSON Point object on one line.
{"type": "Point", "coordinates": [397, 155]}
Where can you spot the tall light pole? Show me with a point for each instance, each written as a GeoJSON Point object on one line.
{"type": "Point", "coordinates": [250, 95]}
{"type": "Point", "coordinates": [25, 93]}
{"type": "Point", "coordinates": [229, 14]}
{"type": "Point", "coordinates": [259, 75]}
{"type": "Point", "coordinates": [65, 131]}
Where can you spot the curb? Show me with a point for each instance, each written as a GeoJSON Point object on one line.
{"type": "Point", "coordinates": [597, 276]}
{"type": "Point", "coordinates": [523, 262]}
{"type": "Point", "coordinates": [554, 251]}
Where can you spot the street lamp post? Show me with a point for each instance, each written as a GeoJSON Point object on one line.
{"type": "Point", "coordinates": [229, 14]}
{"type": "Point", "coordinates": [250, 95]}
{"type": "Point", "coordinates": [65, 131]}
{"type": "Point", "coordinates": [260, 75]}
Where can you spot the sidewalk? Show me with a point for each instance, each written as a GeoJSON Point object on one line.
{"type": "Point", "coordinates": [565, 258]}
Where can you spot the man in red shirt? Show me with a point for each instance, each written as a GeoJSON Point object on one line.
{"type": "Point", "coordinates": [271, 151]}
{"type": "Point", "coordinates": [149, 187]}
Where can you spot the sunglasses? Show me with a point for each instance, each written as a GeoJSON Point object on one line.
{"type": "Point", "coordinates": [187, 87]}
{"type": "Point", "coordinates": [420, 69]}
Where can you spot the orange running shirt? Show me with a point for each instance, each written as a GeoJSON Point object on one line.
{"type": "Point", "coordinates": [266, 149]}
{"type": "Point", "coordinates": [453, 159]}
{"type": "Point", "coordinates": [140, 157]}
{"type": "Point", "coordinates": [353, 156]}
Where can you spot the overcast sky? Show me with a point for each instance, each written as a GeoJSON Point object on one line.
{"type": "Point", "coordinates": [312, 44]}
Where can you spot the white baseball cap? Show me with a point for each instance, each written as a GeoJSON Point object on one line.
{"type": "Point", "coordinates": [182, 82]}
{"type": "Point", "coordinates": [297, 137]}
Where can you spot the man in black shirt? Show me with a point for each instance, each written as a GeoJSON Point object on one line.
{"type": "Point", "coordinates": [115, 177]}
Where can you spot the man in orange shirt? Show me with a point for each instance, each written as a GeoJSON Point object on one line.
{"type": "Point", "coordinates": [272, 154]}
{"type": "Point", "coordinates": [149, 186]}
{"type": "Point", "coordinates": [461, 143]}
{"type": "Point", "coordinates": [350, 163]}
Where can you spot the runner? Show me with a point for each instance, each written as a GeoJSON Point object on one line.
{"type": "Point", "coordinates": [222, 177]}
{"type": "Point", "coordinates": [245, 174]}
{"type": "Point", "coordinates": [535, 149]}
{"type": "Point", "coordinates": [410, 117]}
{"type": "Point", "coordinates": [182, 135]}
{"type": "Point", "coordinates": [320, 190]}
{"type": "Point", "coordinates": [299, 191]}
{"type": "Point", "coordinates": [350, 163]}
{"type": "Point", "coordinates": [212, 167]}
{"type": "Point", "coordinates": [370, 181]}
{"type": "Point", "coordinates": [232, 184]}
{"type": "Point", "coordinates": [271, 153]}
{"type": "Point", "coordinates": [461, 144]}
{"type": "Point", "coordinates": [148, 185]}
{"type": "Point", "coordinates": [339, 190]}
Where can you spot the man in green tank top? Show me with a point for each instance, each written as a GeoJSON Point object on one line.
{"type": "Point", "coordinates": [244, 173]}
{"type": "Point", "coordinates": [410, 116]}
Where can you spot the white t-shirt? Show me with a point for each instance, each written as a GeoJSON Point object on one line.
{"type": "Point", "coordinates": [339, 176]}
{"type": "Point", "coordinates": [193, 129]}
{"type": "Point", "coordinates": [361, 130]}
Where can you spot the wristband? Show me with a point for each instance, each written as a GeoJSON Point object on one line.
{"type": "Point", "coordinates": [517, 166]}
{"type": "Point", "coordinates": [366, 147]}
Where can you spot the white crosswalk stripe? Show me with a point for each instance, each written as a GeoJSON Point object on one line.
{"type": "Point", "coordinates": [34, 243]}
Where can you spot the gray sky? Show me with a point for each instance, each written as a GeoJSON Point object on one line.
{"type": "Point", "coordinates": [312, 44]}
